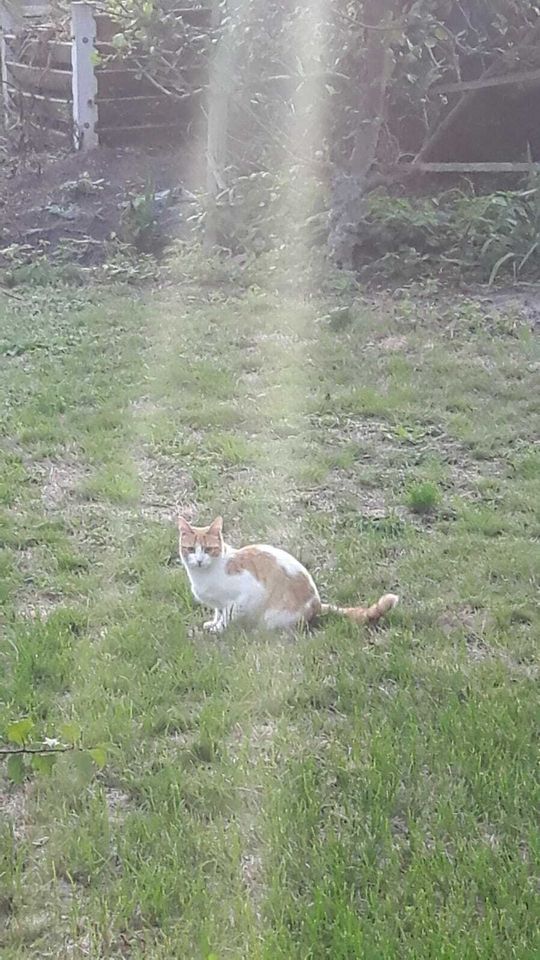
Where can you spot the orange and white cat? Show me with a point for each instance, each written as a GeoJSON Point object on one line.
{"type": "Point", "coordinates": [260, 585]}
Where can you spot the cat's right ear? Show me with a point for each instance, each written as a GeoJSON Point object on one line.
{"type": "Point", "coordinates": [184, 526]}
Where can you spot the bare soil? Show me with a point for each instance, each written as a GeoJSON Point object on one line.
{"type": "Point", "coordinates": [78, 199]}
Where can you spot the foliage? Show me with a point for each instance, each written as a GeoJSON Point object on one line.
{"type": "Point", "coordinates": [279, 74]}
{"type": "Point", "coordinates": [306, 63]}
{"type": "Point", "coordinates": [282, 221]}
{"type": "Point", "coordinates": [456, 234]}
{"type": "Point", "coordinates": [262, 212]}
{"type": "Point", "coordinates": [139, 224]}
{"type": "Point", "coordinates": [27, 754]}
{"type": "Point", "coordinates": [164, 46]}
{"type": "Point", "coordinates": [446, 41]}
{"type": "Point", "coordinates": [302, 81]}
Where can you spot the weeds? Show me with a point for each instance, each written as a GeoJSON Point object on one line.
{"type": "Point", "coordinates": [456, 234]}
{"type": "Point", "coordinates": [423, 498]}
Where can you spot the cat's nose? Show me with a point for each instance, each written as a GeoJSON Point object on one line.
{"type": "Point", "coordinates": [199, 563]}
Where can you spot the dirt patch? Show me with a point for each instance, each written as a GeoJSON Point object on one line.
{"type": "Point", "coordinates": [393, 344]}
{"type": "Point", "coordinates": [13, 810]}
{"type": "Point", "coordinates": [34, 603]}
{"type": "Point", "coordinates": [166, 489]}
{"type": "Point", "coordinates": [466, 618]}
{"type": "Point", "coordinates": [523, 301]}
{"type": "Point", "coordinates": [331, 496]}
{"type": "Point", "coordinates": [60, 480]}
{"type": "Point", "coordinates": [39, 607]}
{"type": "Point", "coordinates": [474, 624]}
{"type": "Point", "coordinates": [117, 804]}
{"type": "Point", "coordinates": [262, 736]}
{"type": "Point", "coordinates": [480, 651]}
{"type": "Point", "coordinates": [76, 202]}
{"type": "Point", "coordinates": [252, 875]}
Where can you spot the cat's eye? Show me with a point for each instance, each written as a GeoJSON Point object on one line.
{"type": "Point", "coordinates": [190, 549]}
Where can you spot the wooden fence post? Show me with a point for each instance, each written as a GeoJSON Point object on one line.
{"type": "Point", "coordinates": [84, 82]}
{"type": "Point", "coordinates": [8, 24]}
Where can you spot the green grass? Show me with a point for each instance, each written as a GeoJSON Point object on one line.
{"type": "Point", "coordinates": [336, 795]}
{"type": "Point", "coordinates": [423, 497]}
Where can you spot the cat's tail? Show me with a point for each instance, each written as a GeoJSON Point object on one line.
{"type": "Point", "coordinates": [365, 614]}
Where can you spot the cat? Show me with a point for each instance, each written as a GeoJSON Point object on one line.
{"type": "Point", "coordinates": [258, 585]}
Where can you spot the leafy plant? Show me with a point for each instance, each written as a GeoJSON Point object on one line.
{"type": "Point", "coordinates": [139, 223]}
{"type": "Point", "coordinates": [26, 755]}
{"type": "Point", "coordinates": [423, 498]}
{"type": "Point", "coordinates": [457, 234]}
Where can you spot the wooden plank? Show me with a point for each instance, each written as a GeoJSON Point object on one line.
{"type": "Point", "coordinates": [40, 79]}
{"type": "Point", "coordinates": [106, 28]}
{"type": "Point", "coordinates": [521, 76]}
{"type": "Point", "coordinates": [30, 8]}
{"type": "Point", "coordinates": [123, 82]}
{"type": "Point", "coordinates": [35, 9]}
{"type": "Point", "coordinates": [46, 109]}
{"type": "Point", "coordinates": [481, 167]}
{"type": "Point", "coordinates": [44, 98]}
{"type": "Point", "coordinates": [84, 83]}
{"type": "Point", "coordinates": [146, 133]}
{"type": "Point", "coordinates": [221, 86]}
{"type": "Point", "coordinates": [10, 22]}
{"type": "Point", "coordinates": [198, 16]}
{"type": "Point", "coordinates": [41, 52]}
{"type": "Point", "coordinates": [129, 111]}
{"type": "Point", "coordinates": [140, 126]}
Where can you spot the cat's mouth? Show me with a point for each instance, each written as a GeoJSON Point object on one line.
{"type": "Point", "coordinates": [200, 561]}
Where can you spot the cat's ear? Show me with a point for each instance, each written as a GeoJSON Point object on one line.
{"type": "Point", "coordinates": [216, 527]}
{"type": "Point", "coordinates": [184, 526]}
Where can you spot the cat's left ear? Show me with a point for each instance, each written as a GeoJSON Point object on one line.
{"type": "Point", "coordinates": [216, 527]}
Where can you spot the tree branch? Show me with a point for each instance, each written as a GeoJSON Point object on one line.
{"type": "Point", "coordinates": [12, 751]}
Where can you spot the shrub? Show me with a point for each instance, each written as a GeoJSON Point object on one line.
{"type": "Point", "coordinates": [455, 234]}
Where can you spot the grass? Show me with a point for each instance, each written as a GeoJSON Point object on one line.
{"type": "Point", "coordinates": [423, 497]}
{"type": "Point", "coordinates": [344, 794]}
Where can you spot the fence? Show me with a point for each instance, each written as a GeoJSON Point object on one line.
{"type": "Point", "coordinates": [78, 86]}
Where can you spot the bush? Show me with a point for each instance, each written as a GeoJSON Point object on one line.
{"type": "Point", "coordinates": [456, 234]}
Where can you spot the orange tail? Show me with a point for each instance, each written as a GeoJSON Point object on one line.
{"type": "Point", "coordinates": [365, 614]}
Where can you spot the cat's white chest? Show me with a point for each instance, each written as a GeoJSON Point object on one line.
{"type": "Point", "coordinates": [214, 587]}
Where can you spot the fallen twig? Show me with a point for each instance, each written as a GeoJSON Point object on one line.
{"type": "Point", "coordinates": [10, 751]}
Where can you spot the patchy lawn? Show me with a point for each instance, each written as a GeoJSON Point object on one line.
{"type": "Point", "coordinates": [342, 795]}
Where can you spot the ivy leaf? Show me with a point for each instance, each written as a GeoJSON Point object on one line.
{"type": "Point", "coordinates": [440, 32]}
{"type": "Point", "coordinates": [99, 756]}
{"type": "Point", "coordinates": [119, 41]}
{"type": "Point", "coordinates": [84, 765]}
{"type": "Point", "coordinates": [17, 732]}
{"type": "Point", "coordinates": [71, 732]}
{"type": "Point", "coordinates": [43, 763]}
{"type": "Point", "coordinates": [16, 769]}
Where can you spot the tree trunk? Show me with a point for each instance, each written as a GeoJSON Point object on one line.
{"type": "Point", "coordinates": [220, 92]}
{"type": "Point", "coordinates": [349, 186]}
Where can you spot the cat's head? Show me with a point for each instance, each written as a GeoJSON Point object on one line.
{"type": "Point", "coordinates": [200, 546]}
